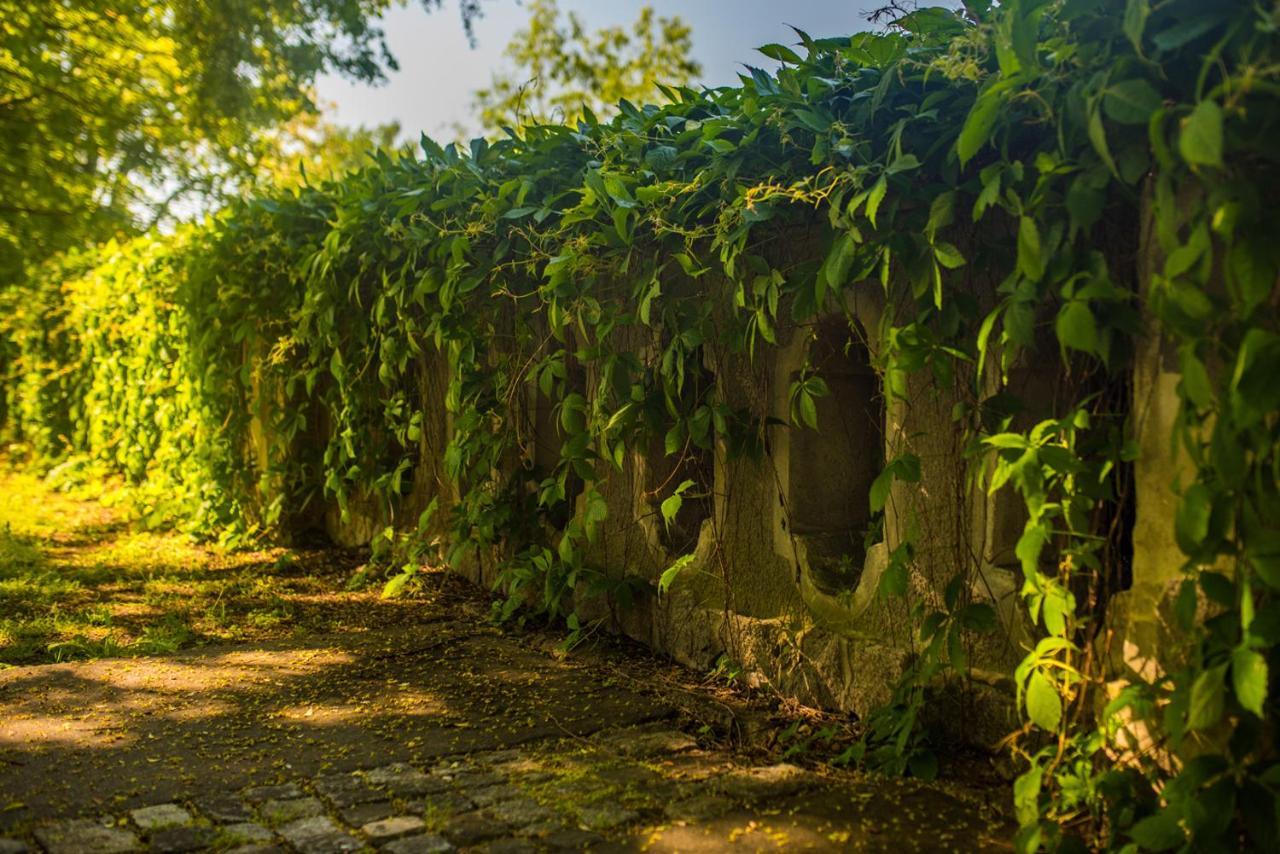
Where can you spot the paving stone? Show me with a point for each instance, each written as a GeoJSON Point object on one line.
{"type": "Point", "coordinates": [427, 843]}
{"type": "Point", "coordinates": [281, 792]}
{"type": "Point", "coordinates": [541, 829]}
{"type": "Point", "coordinates": [520, 811]}
{"type": "Point", "coordinates": [487, 795]}
{"type": "Point", "coordinates": [224, 808]}
{"type": "Point", "coordinates": [510, 845]}
{"type": "Point", "coordinates": [443, 803]}
{"type": "Point", "coordinates": [572, 839]}
{"type": "Point", "coordinates": [161, 815]}
{"type": "Point", "coordinates": [181, 838]}
{"type": "Point", "coordinates": [80, 835]}
{"type": "Point", "coordinates": [630, 777]}
{"type": "Point", "coordinates": [247, 831]}
{"type": "Point", "coordinates": [365, 813]}
{"type": "Point", "coordinates": [471, 778]}
{"type": "Point", "coordinates": [404, 780]}
{"type": "Point", "coordinates": [283, 812]}
{"type": "Point", "coordinates": [770, 781]}
{"type": "Point", "coordinates": [495, 757]}
{"type": "Point", "coordinates": [257, 849]}
{"type": "Point", "coordinates": [395, 827]}
{"type": "Point", "coordinates": [346, 790]}
{"type": "Point", "coordinates": [472, 828]}
{"type": "Point", "coordinates": [13, 846]}
{"type": "Point", "coordinates": [661, 742]}
{"type": "Point", "coordinates": [605, 816]}
{"type": "Point", "coordinates": [319, 835]}
{"type": "Point", "coordinates": [698, 808]}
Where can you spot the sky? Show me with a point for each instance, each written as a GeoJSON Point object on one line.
{"type": "Point", "coordinates": [431, 92]}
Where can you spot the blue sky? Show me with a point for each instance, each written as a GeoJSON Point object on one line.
{"type": "Point", "coordinates": [439, 71]}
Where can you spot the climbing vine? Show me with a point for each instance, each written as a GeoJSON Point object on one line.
{"type": "Point", "coordinates": [1074, 183]}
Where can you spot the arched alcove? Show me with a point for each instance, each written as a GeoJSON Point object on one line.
{"type": "Point", "coordinates": [831, 469]}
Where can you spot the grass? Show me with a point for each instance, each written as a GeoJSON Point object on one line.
{"type": "Point", "coordinates": [76, 581]}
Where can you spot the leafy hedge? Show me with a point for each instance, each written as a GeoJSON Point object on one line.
{"type": "Point", "coordinates": [1066, 129]}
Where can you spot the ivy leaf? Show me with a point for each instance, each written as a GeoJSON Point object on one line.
{"type": "Point", "coordinates": [1201, 140]}
{"type": "Point", "coordinates": [1030, 257]}
{"type": "Point", "coordinates": [1136, 13]}
{"type": "Point", "coordinates": [1207, 696]}
{"type": "Point", "coordinates": [1195, 380]}
{"type": "Point", "coordinates": [1131, 102]}
{"type": "Point", "coordinates": [1076, 327]}
{"type": "Point", "coordinates": [947, 255]}
{"type": "Point", "coordinates": [1191, 524]}
{"type": "Point", "coordinates": [1249, 679]}
{"type": "Point", "coordinates": [1159, 832]}
{"type": "Point", "coordinates": [876, 197]}
{"type": "Point", "coordinates": [979, 617]}
{"type": "Point", "coordinates": [671, 573]}
{"type": "Point", "coordinates": [670, 507]}
{"type": "Point", "coordinates": [808, 409]}
{"type": "Point", "coordinates": [978, 124]}
{"type": "Point", "coordinates": [1044, 705]}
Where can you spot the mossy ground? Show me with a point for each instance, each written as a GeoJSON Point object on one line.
{"type": "Point", "coordinates": [78, 581]}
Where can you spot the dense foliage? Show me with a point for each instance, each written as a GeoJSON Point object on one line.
{"type": "Point", "coordinates": [110, 113]}
{"type": "Point", "coordinates": [560, 68]}
{"type": "Point", "coordinates": [1028, 145]}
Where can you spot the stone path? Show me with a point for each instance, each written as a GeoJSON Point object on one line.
{"type": "Point", "coordinates": [454, 737]}
{"type": "Point", "coordinates": [423, 728]}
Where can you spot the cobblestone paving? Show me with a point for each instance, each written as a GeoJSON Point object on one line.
{"type": "Point", "coordinates": [647, 788]}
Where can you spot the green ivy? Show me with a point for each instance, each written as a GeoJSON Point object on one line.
{"type": "Point", "coordinates": [997, 174]}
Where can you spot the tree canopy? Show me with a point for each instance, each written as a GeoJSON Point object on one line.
{"type": "Point", "coordinates": [111, 113]}
{"type": "Point", "coordinates": [560, 67]}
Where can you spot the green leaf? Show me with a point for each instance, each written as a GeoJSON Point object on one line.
{"type": "Point", "coordinates": [1044, 705]}
{"type": "Point", "coordinates": [1131, 102]}
{"type": "Point", "coordinates": [1030, 257]}
{"type": "Point", "coordinates": [978, 124]}
{"type": "Point", "coordinates": [782, 53]}
{"type": "Point", "coordinates": [893, 583]}
{"type": "Point", "coordinates": [395, 586]}
{"type": "Point", "coordinates": [808, 409]}
{"type": "Point", "coordinates": [1249, 679]}
{"type": "Point", "coordinates": [1136, 13]}
{"type": "Point", "coordinates": [1076, 327]}
{"type": "Point", "coordinates": [671, 573]}
{"type": "Point", "coordinates": [1201, 140]}
{"type": "Point", "coordinates": [1191, 523]}
{"type": "Point", "coordinates": [947, 255]}
{"type": "Point", "coordinates": [880, 490]}
{"type": "Point", "coordinates": [670, 507]}
{"type": "Point", "coordinates": [1195, 380]}
{"type": "Point", "coordinates": [839, 260]}
{"type": "Point", "coordinates": [1207, 697]}
{"type": "Point", "coordinates": [1159, 832]}
{"type": "Point", "coordinates": [876, 197]}
{"type": "Point", "coordinates": [979, 617]}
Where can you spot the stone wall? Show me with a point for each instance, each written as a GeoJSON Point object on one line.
{"type": "Point", "coordinates": [785, 561]}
